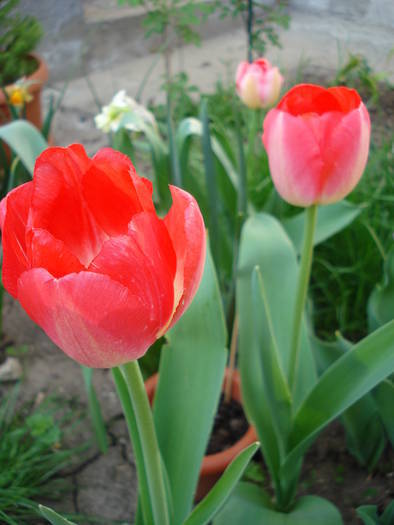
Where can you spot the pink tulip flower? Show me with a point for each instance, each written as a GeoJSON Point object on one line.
{"type": "Point", "coordinates": [317, 141]}
{"type": "Point", "coordinates": [91, 262]}
{"type": "Point", "coordinates": [258, 84]}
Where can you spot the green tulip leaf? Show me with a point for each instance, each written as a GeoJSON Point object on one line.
{"type": "Point", "coordinates": [345, 382]}
{"type": "Point", "coordinates": [361, 419]}
{"type": "Point", "coordinates": [25, 140]}
{"type": "Point", "coordinates": [192, 127]}
{"type": "Point", "coordinates": [381, 301]}
{"type": "Point", "coordinates": [384, 400]}
{"type": "Point", "coordinates": [248, 504]}
{"type": "Point", "coordinates": [330, 220]}
{"type": "Point", "coordinates": [369, 515]}
{"type": "Point", "coordinates": [265, 244]}
{"type": "Point", "coordinates": [216, 498]}
{"type": "Point", "coordinates": [191, 375]}
{"type": "Point", "coordinates": [275, 384]}
{"type": "Point", "coordinates": [53, 517]}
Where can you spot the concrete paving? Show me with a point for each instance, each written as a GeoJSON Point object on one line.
{"type": "Point", "coordinates": [105, 43]}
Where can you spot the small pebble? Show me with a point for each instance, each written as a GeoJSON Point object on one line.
{"type": "Point", "coordinates": [10, 370]}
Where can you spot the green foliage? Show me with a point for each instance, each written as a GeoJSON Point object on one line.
{"type": "Point", "coordinates": [249, 505]}
{"type": "Point", "coordinates": [358, 73]}
{"type": "Point", "coordinates": [347, 266]}
{"type": "Point", "coordinates": [369, 515]}
{"type": "Point", "coordinates": [32, 454]}
{"type": "Point", "coordinates": [19, 35]}
{"type": "Point", "coordinates": [53, 517]}
{"type": "Point", "coordinates": [191, 375]}
{"type": "Point", "coordinates": [381, 302]}
{"type": "Point", "coordinates": [181, 18]}
{"type": "Point", "coordinates": [214, 500]}
{"type": "Point", "coordinates": [265, 20]}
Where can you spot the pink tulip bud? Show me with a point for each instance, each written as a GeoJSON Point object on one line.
{"type": "Point", "coordinates": [258, 84]}
{"type": "Point", "coordinates": [91, 262]}
{"type": "Point", "coordinates": [317, 141]}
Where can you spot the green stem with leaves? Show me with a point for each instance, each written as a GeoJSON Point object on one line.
{"type": "Point", "coordinates": [302, 290]}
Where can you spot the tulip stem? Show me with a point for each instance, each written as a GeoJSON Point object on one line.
{"type": "Point", "coordinates": [142, 415]}
{"type": "Point", "coordinates": [144, 506]}
{"type": "Point", "coordinates": [302, 290]}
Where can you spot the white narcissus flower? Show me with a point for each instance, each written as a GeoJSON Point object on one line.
{"type": "Point", "coordinates": [124, 112]}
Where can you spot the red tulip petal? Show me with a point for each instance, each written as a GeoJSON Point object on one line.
{"type": "Point", "coordinates": [345, 154]}
{"type": "Point", "coordinates": [316, 158]}
{"type": "Point", "coordinates": [93, 319]}
{"type": "Point", "coordinates": [187, 231]}
{"type": "Point", "coordinates": [58, 204]}
{"type": "Point", "coordinates": [14, 210]}
{"type": "Point", "coordinates": [347, 98]}
{"type": "Point", "coordinates": [47, 252]}
{"type": "Point", "coordinates": [114, 192]}
{"type": "Point", "coordinates": [143, 261]}
{"type": "Point", "coordinates": [309, 98]}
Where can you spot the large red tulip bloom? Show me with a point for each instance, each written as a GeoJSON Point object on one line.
{"type": "Point", "coordinates": [317, 142]}
{"type": "Point", "coordinates": [91, 262]}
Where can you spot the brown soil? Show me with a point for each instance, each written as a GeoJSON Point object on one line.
{"type": "Point", "coordinates": [229, 426]}
{"type": "Point", "coordinates": [331, 472]}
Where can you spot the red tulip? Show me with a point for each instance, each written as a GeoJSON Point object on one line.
{"type": "Point", "coordinates": [258, 84]}
{"type": "Point", "coordinates": [91, 262]}
{"type": "Point", "coordinates": [317, 142]}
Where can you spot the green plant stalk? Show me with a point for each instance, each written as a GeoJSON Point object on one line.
{"type": "Point", "coordinates": [243, 179]}
{"type": "Point", "coordinates": [148, 441]}
{"type": "Point", "coordinates": [144, 510]}
{"type": "Point", "coordinates": [255, 121]}
{"type": "Point", "coordinates": [302, 290]}
{"type": "Point", "coordinates": [95, 410]}
{"type": "Point", "coordinates": [1, 307]}
{"type": "Point", "coordinates": [250, 31]}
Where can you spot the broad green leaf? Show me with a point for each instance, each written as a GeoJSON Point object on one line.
{"type": "Point", "coordinates": [388, 514]}
{"type": "Point", "coordinates": [53, 517]}
{"type": "Point", "coordinates": [191, 374]}
{"type": "Point", "coordinates": [361, 419]}
{"type": "Point", "coordinates": [25, 140]}
{"type": "Point", "coordinates": [384, 400]}
{"type": "Point", "coordinates": [211, 183]}
{"type": "Point", "coordinates": [330, 220]}
{"type": "Point", "coordinates": [95, 410]}
{"type": "Point", "coordinates": [248, 505]}
{"type": "Point", "coordinates": [353, 375]}
{"type": "Point", "coordinates": [381, 301]}
{"type": "Point", "coordinates": [216, 498]}
{"type": "Point", "coordinates": [368, 514]}
{"type": "Point", "coordinates": [220, 211]}
{"type": "Point", "coordinates": [265, 244]}
{"type": "Point", "coordinates": [275, 384]}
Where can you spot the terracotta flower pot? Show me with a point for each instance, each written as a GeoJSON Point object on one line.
{"type": "Point", "coordinates": [33, 108]}
{"type": "Point", "coordinates": [213, 465]}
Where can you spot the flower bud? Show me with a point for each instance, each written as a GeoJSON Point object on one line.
{"type": "Point", "coordinates": [258, 84]}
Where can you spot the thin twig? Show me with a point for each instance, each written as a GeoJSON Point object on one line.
{"type": "Point", "coordinates": [231, 364]}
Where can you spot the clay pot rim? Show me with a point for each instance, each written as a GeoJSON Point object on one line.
{"type": "Point", "coordinates": [39, 76]}
{"type": "Point", "coordinates": [216, 463]}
